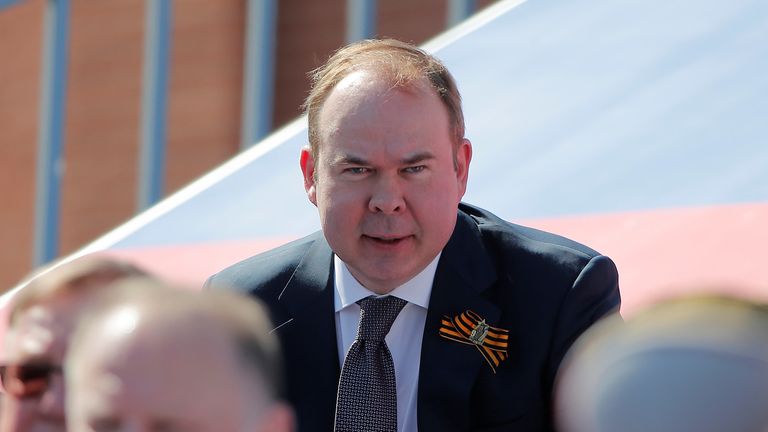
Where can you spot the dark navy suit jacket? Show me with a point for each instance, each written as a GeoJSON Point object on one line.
{"type": "Point", "coordinates": [545, 289]}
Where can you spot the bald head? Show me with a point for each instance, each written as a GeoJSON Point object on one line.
{"type": "Point", "coordinates": [191, 361]}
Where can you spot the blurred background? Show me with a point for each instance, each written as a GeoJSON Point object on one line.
{"type": "Point", "coordinates": [108, 106]}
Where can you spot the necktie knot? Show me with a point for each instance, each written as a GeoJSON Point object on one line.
{"type": "Point", "coordinates": [377, 316]}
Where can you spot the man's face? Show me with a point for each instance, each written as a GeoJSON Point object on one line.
{"type": "Point", "coordinates": [385, 182]}
{"type": "Point", "coordinates": [159, 379]}
{"type": "Point", "coordinates": [34, 351]}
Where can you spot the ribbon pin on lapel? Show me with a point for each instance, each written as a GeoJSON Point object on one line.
{"type": "Point", "coordinates": [469, 328]}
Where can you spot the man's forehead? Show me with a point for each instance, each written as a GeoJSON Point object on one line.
{"type": "Point", "coordinates": [366, 84]}
{"type": "Point", "coordinates": [356, 103]}
{"type": "Point", "coordinates": [356, 80]}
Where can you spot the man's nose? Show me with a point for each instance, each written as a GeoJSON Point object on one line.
{"type": "Point", "coordinates": [387, 196]}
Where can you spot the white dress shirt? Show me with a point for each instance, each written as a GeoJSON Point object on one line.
{"type": "Point", "coordinates": [403, 339]}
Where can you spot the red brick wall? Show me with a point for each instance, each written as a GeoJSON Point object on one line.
{"type": "Point", "coordinates": [307, 33]}
{"type": "Point", "coordinates": [21, 30]}
{"type": "Point", "coordinates": [411, 21]}
{"type": "Point", "coordinates": [205, 87]}
{"type": "Point", "coordinates": [102, 118]}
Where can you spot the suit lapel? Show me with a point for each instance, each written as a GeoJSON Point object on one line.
{"type": "Point", "coordinates": [309, 338]}
{"type": "Point", "coordinates": [448, 369]}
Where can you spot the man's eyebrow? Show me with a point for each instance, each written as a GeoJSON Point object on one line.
{"type": "Point", "coordinates": [347, 159]}
{"type": "Point", "coordinates": [418, 157]}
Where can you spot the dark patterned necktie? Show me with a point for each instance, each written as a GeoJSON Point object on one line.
{"type": "Point", "coordinates": [367, 399]}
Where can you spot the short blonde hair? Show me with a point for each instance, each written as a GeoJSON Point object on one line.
{"type": "Point", "coordinates": [400, 62]}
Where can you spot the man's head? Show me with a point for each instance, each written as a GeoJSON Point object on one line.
{"type": "Point", "coordinates": [155, 358]}
{"type": "Point", "coordinates": [388, 162]}
{"type": "Point", "coordinates": [399, 63]}
{"type": "Point", "coordinates": [695, 364]}
{"type": "Point", "coordinates": [42, 316]}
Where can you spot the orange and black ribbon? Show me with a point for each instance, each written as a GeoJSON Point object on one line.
{"type": "Point", "coordinates": [469, 328]}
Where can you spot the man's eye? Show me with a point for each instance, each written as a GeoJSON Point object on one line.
{"type": "Point", "coordinates": [356, 170]}
{"type": "Point", "coordinates": [415, 169]}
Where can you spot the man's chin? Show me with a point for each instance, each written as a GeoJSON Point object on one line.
{"type": "Point", "coordinates": [383, 282]}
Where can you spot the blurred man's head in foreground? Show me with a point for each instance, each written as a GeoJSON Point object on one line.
{"type": "Point", "coordinates": [690, 365]}
{"type": "Point", "coordinates": [155, 358]}
{"type": "Point", "coordinates": [42, 316]}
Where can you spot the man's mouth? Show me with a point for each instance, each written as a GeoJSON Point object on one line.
{"type": "Point", "coordinates": [386, 240]}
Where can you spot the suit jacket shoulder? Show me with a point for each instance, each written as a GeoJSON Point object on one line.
{"type": "Point", "coordinates": [525, 255]}
{"type": "Point", "coordinates": [526, 238]}
{"type": "Point", "coordinates": [267, 272]}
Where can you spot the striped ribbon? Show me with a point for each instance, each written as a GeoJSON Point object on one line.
{"type": "Point", "coordinates": [469, 328]}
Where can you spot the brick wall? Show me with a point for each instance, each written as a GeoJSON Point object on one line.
{"type": "Point", "coordinates": [20, 55]}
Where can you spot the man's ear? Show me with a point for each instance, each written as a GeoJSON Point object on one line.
{"type": "Point", "coordinates": [307, 163]}
{"type": "Point", "coordinates": [463, 158]}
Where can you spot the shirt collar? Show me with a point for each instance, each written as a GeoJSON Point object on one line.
{"type": "Point", "coordinates": [348, 290]}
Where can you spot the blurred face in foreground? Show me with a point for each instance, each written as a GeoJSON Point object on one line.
{"type": "Point", "coordinates": [130, 375]}
{"type": "Point", "coordinates": [388, 179]}
{"type": "Point", "coordinates": [34, 351]}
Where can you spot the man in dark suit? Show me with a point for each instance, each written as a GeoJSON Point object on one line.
{"type": "Point", "coordinates": [485, 310]}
